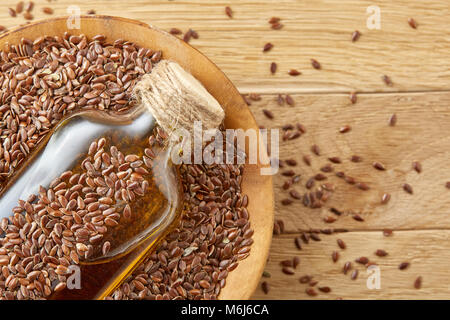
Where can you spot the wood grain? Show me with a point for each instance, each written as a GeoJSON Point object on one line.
{"type": "Point", "coordinates": [414, 59]}
{"type": "Point", "coordinates": [428, 253]}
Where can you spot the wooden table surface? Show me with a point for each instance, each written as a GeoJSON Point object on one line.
{"type": "Point", "coordinates": [417, 62]}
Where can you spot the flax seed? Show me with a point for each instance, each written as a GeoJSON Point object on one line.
{"type": "Point", "coordinates": [315, 64]}
{"type": "Point", "coordinates": [412, 23]}
{"type": "Point", "coordinates": [353, 97]}
{"type": "Point", "coordinates": [387, 80]}
{"type": "Point", "coordinates": [267, 47]}
{"type": "Point", "coordinates": [418, 283]}
{"type": "Point", "coordinates": [273, 68]}
{"type": "Point", "coordinates": [403, 265]}
{"type": "Point", "coordinates": [355, 35]}
{"type": "Point", "coordinates": [408, 188]}
{"type": "Point", "coordinates": [229, 12]}
{"type": "Point", "coordinates": [341, 243]}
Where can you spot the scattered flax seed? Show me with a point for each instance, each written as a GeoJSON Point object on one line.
{"type": "Point", "coordinates": [447, 184]}
{"type": "Point", "coordinates": [311, 292]}
{"type": "Point", "coordinates": [47, 10]}
{"type": "Point", "coordinates": [277, 26]}
{"type": "Point", "coordinates": [357, 217]}
{"type": "Point", "coordinates": [298, 243]}
{"type": "Point", "coordinates": [412, 23]}
{"type": "Point", "coordinates": [287, 185]}
{"type": "Point", "coordinates": [362, 186]}
{"type": "Point", "coordinates": [341, 244]}
{"type": "Point", "coordinates": [347, 267]}
{"type": "Point", "coordinates": [294, 72]}
{"type": "Point", "coordinates": [327, 168]}
{"type": "Point", "coordinates": [385, 198]}
{"type": "Point", "coordinates": [335, 256]}
{"type": "Point", "coordinates": [268, 46]}
{"type": "Point", "coordinates": [301, 127]}
{"type": "Point", "coordinates": [336, 211]}
{"type": "Point", "coordinates": [355, 35]}
{"type": "Point", "coordinates": [268, 113]}
{"type": "Point", "coordinates": [194, 34]}
{"type": "Point", "coordinates": [286, 263]}
{"type": "Point", "coordinates": [295, 262]}
{"type": "Point", "coordinates": [92, 11]}
{"type": "Point", "coordinates": [187, 36]}
{"type": "Point", "coordinates": [12, 12]}
{"type": "Point", "coordinates": [229, 12]}
{"type": "Point", "coordinates": [273, 67]}
{"type": "Point", "coordinates": [315, 64]}
{"type": "Point", "coordinates": [291, 162]}
{"type": "Point", "coordinates": [288, 173]}
{"type": "Point", "coordinates": [288, 270]}
{"type": "Point", "coordinates": [417, 166]}
{"type": "Point", "coordinates": [315, 149]}
{"type": "Point", "coordinates": [353, 97]}
{"type": "Point", "coordinates": [325, 289]}
{"type": "Point", "coordinates": [418, 282]}
{"type": "Point", "coordinates": [305, 237]}
{"type": "Point", "coordinates": [289, 100]}
{"type": "Point", "coordinates": [387, 80]}
{"type": "Point", "coordinates": [379, 166]}
{"type": "Point", "coordinates": [28, 16]}
{"type": "Point", "coordinates": [315, 237]}
{"type": "Point", "coordinates": [320, 177]}
{"type": "Point", "coordinates": [354, 275]}
{"type": "Point", "coordinates": [381, 253]}
{"type": "Point", "coordinates": [286, 202]}
{"type": "Point", "coordinates": [403, 265]}
{"type": "Point", "coordinates": [329, 219]}
{"type": "Point", "coordinates": [356, 158]}
{"type": "Point", "coordinates": [393, 120]}
{"type": "Point", "coordinates": [19, 7]}
{"type": "Point", "coordinates": [175, 31]}
{"type": "Point", "coordinates": [274, 20]}
{"type": "Point", "coordinates": [305, 279]}
{"type": "Point", "coordinates": [362, 260]}
{"type": "Point", "coordinates": [307, 160]}
{"type": "Point", "coordinates": [265, 287]}
{"type": "Point", "coordinates": [335, 159]}
{"type": "Point", "coordinates": [345, 129]}
{"type": "Point", "coordinates": [29, 6]}
{"type": "Point", "coordinates": [312, 283]}
{"type": "Point", "coordinates": [408, 188]}
{"type": "Point", "coordinates": [387, 232]}
{"type": "Point", "coordinates": [350, 180]}
{"type": "Point", "coordinates": [2, 29]}
{"type": "Point", "coordinates": [294, 194]}
{"type": "Point", "coordinates": [340, 174]}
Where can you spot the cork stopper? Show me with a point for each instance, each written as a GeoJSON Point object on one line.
{"type": "Point", "coordinates": [176, 99]}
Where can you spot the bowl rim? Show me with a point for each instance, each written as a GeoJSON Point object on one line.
{"type": "Point", "coordinates": [18, 29]}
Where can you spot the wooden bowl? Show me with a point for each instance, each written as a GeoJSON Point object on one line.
{"type": "Point", "coordinates": [243, 280]}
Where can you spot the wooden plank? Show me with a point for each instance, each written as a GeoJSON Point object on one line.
{"type": "Point", "coordinates": [420, 134]}
{"type": "Point", "coordinates": [428, 253]}
{"type": "Point", "coordinates": [312, 29]}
